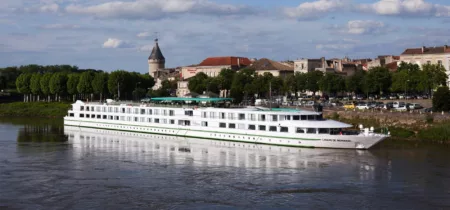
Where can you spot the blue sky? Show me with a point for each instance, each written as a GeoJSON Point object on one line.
{"type": "Point", "coordinates": [110, 35]}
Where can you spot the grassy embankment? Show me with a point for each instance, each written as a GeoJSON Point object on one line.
{"type": "Point", "coordinates": [34, 109]}
{"type": "Point", "coordinates": [427, 130]}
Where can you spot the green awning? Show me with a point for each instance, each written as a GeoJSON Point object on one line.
{"type": "Point", "coordinates": [170, 99]}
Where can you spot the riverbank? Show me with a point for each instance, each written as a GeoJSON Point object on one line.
{"type": "Point", "coordinates": [34, 109]}
{"type": "Point", "coordinates": [403, 126]}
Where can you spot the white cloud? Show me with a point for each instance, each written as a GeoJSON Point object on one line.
{"type": "Point", "coordinates": [405, 8]}
{"type": "Point", "coordinates": [116, 43]}
{"type": "Point", "coordinates": [362, 27]}
{"type": "Point", "coordinates": [144, 34]}
{"type": "Point", "coordinates": [49, 8]}
{"type": "Point", "coordinates": [153, 9]}
{"type": "Point", "coordinates": [60, 26]}
{"type": "Point", "coordinates": [316, 9]}
{"type": "Point", "coordinates": [334, 46]}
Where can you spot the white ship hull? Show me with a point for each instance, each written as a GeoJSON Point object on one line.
{"type": "Point", "coordinates": [361, 141]}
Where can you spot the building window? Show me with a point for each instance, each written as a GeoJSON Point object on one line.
{"type": "Point", "coordinates": [273, 128]}
{"type": "Point", "coordinates": [205, 124]}
{"type": "Point", "coordinates": [82, 115]}
{"type": "Point", "coordinates": [262, 117]}
{"type": "Point", "coordinates": [81, 108]}
{"type": "Point", "coordinates": [222, 125]}
{"type": "Point", "coordinates": [231, 116]}
{"type": "Point", "coordinates": [149, 120]}
{"type": "Point", "coordinates": [251, 127]}
{"type": "Point", "coordinates": [274, 118]}
{"type": "Point", "coordinates": [284, 129]}
{"type": "Point", "coordinates": [142, 111]}
{"type": "Point", "coordinates": [262, 127]}
{"type": "Point", "coordinates": [252, 117]}
{"type": "Point", "coordinates": [212, 115]}
{"type": "Point", "coordinates": [231, 125]}
{"type": "Point", "coordinates": [428, 62]}
{"type": "Point", "coordinates": [136, 119]}
{"type": "Point", "coordinates": [156, 111]}
{"type": "Point", "coordinates": [149, 111]}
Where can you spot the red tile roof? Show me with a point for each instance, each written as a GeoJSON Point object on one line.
{"type": "Point", "coordinates": [225, 61]}
{"type": "Point", "coordinates": [392, 66]}
{"type": "Point", "coordinates": [427, 50]}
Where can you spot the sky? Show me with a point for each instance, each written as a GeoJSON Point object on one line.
{"type": "Point", "coordinates": [111, 35]}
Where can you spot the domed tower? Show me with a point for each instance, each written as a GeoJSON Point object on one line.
{"type": "Point", "coordinates": [156, 60]}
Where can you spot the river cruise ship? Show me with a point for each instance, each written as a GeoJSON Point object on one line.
{"type": "Point", "coordinates": [258, 125]}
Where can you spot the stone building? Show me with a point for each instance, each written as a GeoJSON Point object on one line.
{"type": "Point", "coordinates": [264, 65]}
{"type": "Point", "coordinates": [156, 60]}
{"type": "Point", "coordinates": [428, 55]}
{"type": "Point", "coordinates": [213, 65]}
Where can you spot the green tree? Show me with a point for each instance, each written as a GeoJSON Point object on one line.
{"type": "Point", "coordinates": [441, 99]}
{"type": "Point", "coordinates": [100, 84]}
{"type": "Point", "coordinates": [35, 85]}
{"type": "Point", "coordinates": [312, 81]}
{"type": "Point", "coordinates": [84, 86]}
{"type": "Point", "coordinates": [225, 79]}
{"type": "Point", "coordinates": [332, 83]}
{"type": "Point", "coordinates": [243, 85]}
{"type": "Point", "coordinates": [300, 82]}
{"type": "Point", "coordinates": [72, 83]}
{"type": "Point", "coordinates": [433, 75]}
{"type": "Point", "coordinates": [45, 84]}
{"type": "Point", "coordinates": [378, 80]}
{"type": "Point", "coordinates": [197, 83]}
{"type": "Point", "coordinates": [58, 85]}
{"type": "Point", "coordinates": [118, 82]}
{"type": "Point", "coordinates": [356, 83]}
{"type": "Point", "coordinates": [23, 85]}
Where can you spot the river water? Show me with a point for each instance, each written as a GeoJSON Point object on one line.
{"type": "Point", "coordinates": [44, 165]}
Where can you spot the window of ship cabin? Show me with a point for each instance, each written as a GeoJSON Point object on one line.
{"type": "Point", "coordinates": [116, 117]}
{"type": "Point", "coordinates": [81, 108]}
{"type": "Point", "coordinates": [87, 108]}
{"type": "Point", "coordinates": [136, 111]}
{"type": "Point", "coordinates": [142, 111]}
{"type": "Point", "coordinates": [231, 125]}
{"type": "Point", "coordinates": [203, 114]}
{"type": "Point", "coordinates": [110, 109]}
{"type": "Point", "coordinates": [165, 112]}
{"type": "Point", "coordinates": [122, 118]}
{"type": "Point", "coordinates": [295, 117]}
{"type": "Point", "coordinates": [189, 113]}
{"type": "Point", "coordinates": [87, 116]}
{"type": "Point", "coordinates": [92, 108]}
{"type": "Point", "coordinates": [231, 116]}
{"type": "Point", "coordinates": [222, 115]}
{"type": "Point", "coordinates": [310, 130]}
{"type": "Point", "coordinates": [241, 116]}
{"type": "Point", "coordinates": [81, 115]}
{"type": "Point", "coordinates": [241, 126]}
{"type": "Point", "coordinates": [142, 119]}
{"type": "Point", "coordinates": [300, 130]}
{"type": "Point", "coordinates": [274, 118]}
{"type": "Point", "coordinates": [324, 130]}
{"type": "Point", "coordinates": [172, 121]}
{"type": "Point", "coordinates": [128, 118]}
{"type": "Point", "coordinates": [262, 117]}
{"type": "Point", "coordinates": [284, 129]}
{"type": "Point", "coordinates": [252, 117]}
{"type": "Point", "coordinates": [273, 128]}
{"type": "Point", "coordinates": [222, 125]}
{"type": "Point", "coordinates": [212, 115]}
{"type": "Point", "coordinates": [288, 117]}
{"type": "Point", "coordinates": [71, 115]}
{"type": "Point", "coordinates": [205, 124]}
{"type": "Point", "coordinates": [128, 110]}
{"type": "Point", "coordinates": [103, 109]}
{"type": "Point", "coordinates": [187, 123]}
{"type": "Point", "coordinates": [111, 117]}
{"type": "Point", "coordinates": [149, 120]}
{"type": "Point", "coordinates": [149, 111]}
{"type": "Point", "coordinates": [136, 119]}
{"type": "Point", "coordinates": [156, 111]}
{"type": "Point", "coordinates": [304, 117]}
{"type": "Point", "coordinates": [99, 116]}
{"type": "Point", "coordinates": [123, 110]}
{"type": "Point", "coordinates": [171, 113]}
{"type": "Point", "coordinates": [319, 117]}
{"type": "Point", "coordinates": [251, 127]}
{"type": "Point", "coordinates": [164, 121]}
{"type": "Point", "coordinates": [262, 127]}
{"type": "Point", "coordinates": [156, 120]}
{"type": "Point", "coordinates": [98, 109]}
{"type": "Point", "coordinates": [311, 117]}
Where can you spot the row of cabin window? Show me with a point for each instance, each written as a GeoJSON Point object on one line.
{"type": "Point", "coordinates": [261, 117]}
{"type": "Point", "coordinates": [122, 118]}
{"type": "Point", "coordinates": [129, 110]}
{"type": "Point", "coordinates": [282, 128]}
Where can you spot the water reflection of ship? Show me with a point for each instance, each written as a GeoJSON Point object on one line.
{"type": "Point", "coordinates": [206, 152]}
{"type": "Point", "coordinates": [41, 133]}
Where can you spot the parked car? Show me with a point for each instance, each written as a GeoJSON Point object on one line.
{"type": "Point", "coordinates": [146, 100]}
{"type": "Point", "coordinates": [349, 105]}
{"type": "Point", "coordinates": [393, 97]}
{"type": "Point", "coordinates": [388, 105]}
{"type": "Point", "coordinates": [427, 110]}
{"type": "Point", "coordinates": [383, 97]}
{"type": "Point", "coordinates": [362, 106]}
{"type": "Point", "coordinates": [403, 108]}
{"type": "Point", "coordinates": [415, 106]}
{"type": "Point", "coordinates": [398, 104]}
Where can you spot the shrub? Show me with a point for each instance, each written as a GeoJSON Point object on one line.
{"type": "Point", "coordinates": [335, 116]}
{"type": "Point", "coordinates": [34, 109]}
{"type": "Point", "coordinates": [441, 99]}
{"type": "Point", "coordinates": [438, 133]}
{"type": "Point", "coordinates": [400, 132]}
{"type": "Point", "coordinates": [429, 118]}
